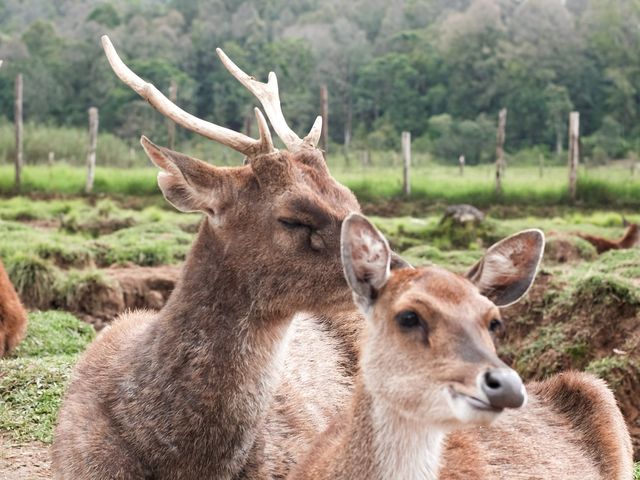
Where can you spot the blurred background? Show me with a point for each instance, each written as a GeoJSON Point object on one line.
{"type": "Point", "coordinates": [439, 69]}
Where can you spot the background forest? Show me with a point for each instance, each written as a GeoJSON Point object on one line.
{"type": "Point", "coordinates": [439, 68]}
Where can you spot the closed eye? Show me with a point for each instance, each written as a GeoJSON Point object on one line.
{"type": "Point", "coordinates": [293, 224]}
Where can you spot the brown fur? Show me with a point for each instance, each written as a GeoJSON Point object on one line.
{"type": "Point", "coordinates": [397, 421]}
{"type": "Point", "coordinates": [13, 317]}
{"type": "Point", "coordinates": [630, 239]}
{"type": "Point", "coordinates": [220, 383]}
{"type": "Point", "coordinates": [571, 428]}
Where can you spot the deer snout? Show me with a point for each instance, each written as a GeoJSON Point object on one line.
{"type": "Point", "coordinates": [503, 388]}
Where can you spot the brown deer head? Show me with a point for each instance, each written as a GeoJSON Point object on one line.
{"type": "Point", "coordinates": [429, 354]}
{"type": "Point", "coordinates": [275, 220]}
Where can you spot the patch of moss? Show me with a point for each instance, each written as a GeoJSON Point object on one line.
{"type": "Point", "coordinates": [32, 390]}
{"type": "Point", "coordinates": [615, 369]}
{"type": "Point", "coordinates": [79, 290]}
{"type": "Point", "coordinates": [549, 339]}
{"type": "Point", "coordinates": [54, 333]}
{"type": "Point", "coordinates": [34, 378]}
{"type": "Point", "coordinates": [456, 260]}
{"type": "Point", "coordinates": [146, 245]}
{"type": "Point", "coordinates": [33, 278]}
{"type": "Point", "coordinates": [605, 289]}
{"type": "Point", "coordinates": [65, 254]}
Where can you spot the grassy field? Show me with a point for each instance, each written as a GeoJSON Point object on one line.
{"type": "Point", "coordinates": [51, 247]}
{"type": "Point", "coordinates": [435, 183]}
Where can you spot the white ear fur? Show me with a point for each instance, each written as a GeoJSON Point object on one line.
{"type": "Point", "coordinates": [509, 267]}
{"type": "Point", "coordinates": [366, 258]}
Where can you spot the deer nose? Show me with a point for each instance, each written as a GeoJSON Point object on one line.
{"type": "Point", "coordinates": [503, 388]}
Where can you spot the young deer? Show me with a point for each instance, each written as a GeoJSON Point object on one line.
{"type": "Point", "coordinates": [13, 318]}
{"type": "Point", "coordinates": [429, 369]}
{"type": "Point", "coordinates": [190, 391]}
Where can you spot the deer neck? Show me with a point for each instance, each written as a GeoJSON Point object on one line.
{"type": "Point", "coordinates": [227, 343]}
{"type": "Point", "coordinates": [215, 291]}
{"type": "Point", "coordinates": [383, 443]}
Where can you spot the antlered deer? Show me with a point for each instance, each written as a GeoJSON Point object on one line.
{"type": "Point", "coordinates": [198, 390]}
{"type": "Point", "coordinates": [429, 368]}
{"type": "Point", "coordinates": [13, 318]}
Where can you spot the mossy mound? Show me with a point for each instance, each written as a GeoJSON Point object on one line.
{"type": "Point", "coordinates": [33, 278]}
{"type": "Point", "coordinates": [563, 248]}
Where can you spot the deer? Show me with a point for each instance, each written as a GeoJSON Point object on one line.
{"type": "Point", "coordinates": [432, 399]}
{"type": "Point", "coordinates": [629, 239]}
{"type": "Point", "coordinates": [13, 317]}
{"type": "Point", "coordinates": [229, 380]}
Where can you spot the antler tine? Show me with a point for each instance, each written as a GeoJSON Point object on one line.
{"type": "Point", "coordinates": [313, 137]}
{"type": "Point", "coordinates": [269, 97]}
{"type": "Point", "coordinates": [239, 142]}
{"type": "Point", "coordinates": [263, 129]}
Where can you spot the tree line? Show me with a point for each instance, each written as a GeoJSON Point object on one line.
{"type": "Point", "coordinates": [441, 69]}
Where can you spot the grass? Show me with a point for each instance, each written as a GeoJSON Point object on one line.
{"type": "Point", "coordinates": [33, 379]}
{"type": "Point", "coordinates": [433, 183]}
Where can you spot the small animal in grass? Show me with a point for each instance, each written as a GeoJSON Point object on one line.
{"type": "Point", "coordinates": [432, 399]}
{"type": "Point", "coordinates": [630, 239]}
{"type": "Point", "coordinates": [13, 317]}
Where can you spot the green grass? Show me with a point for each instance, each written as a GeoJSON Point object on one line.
{"type": "Point", "coordinates": [33, 379]}
{"type": "Point", "coordinates": [636, 471]}
{"type": "Point", "coordinates": [597, 186]}
{"type": "Point", "coordinates": [54, 333]}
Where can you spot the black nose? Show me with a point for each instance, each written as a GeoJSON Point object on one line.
{"type": "Point", "coordinates": [503, 388]}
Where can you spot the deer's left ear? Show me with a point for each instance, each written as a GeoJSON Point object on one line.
{"type": "Point", "coordinates": [507, 270]}
{"type": "Point", "coordinates": [192, 185]}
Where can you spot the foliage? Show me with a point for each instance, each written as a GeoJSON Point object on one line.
{"type": "Point", "coordinates": [389, 66]}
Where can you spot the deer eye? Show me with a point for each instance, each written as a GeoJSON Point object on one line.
{"type": "Point", "coordinates": [408, 319]}
{"type": "Point", "coordinates": [495, 325]}
{"type": "Point", "coordinates": [293, 224]}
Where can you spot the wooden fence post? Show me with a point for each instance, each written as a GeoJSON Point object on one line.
{"type": "Point", "coordinates": [366, 161]}
{"type": "Point", "coordinates": [91, 152]}
{"type": "Point", "coordinates": [574, 154]}
{"type": "Point", "coordinates": [461, 161]}
{"type": "Point", "coordinates": [171, 126]}
{"type": "Point", "coordinates": [500, 163]}
{"type": "Point", "coordinates": [324, 111]}
{"type": "Point", "coordinates": [541, 165]}
{"type": "Point", "coordinates": [18, 127]}
{"type": "Point", "coordinates": [406, 163]}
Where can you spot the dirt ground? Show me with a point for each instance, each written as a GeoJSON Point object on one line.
{"type": "Point", "coordinates": [129, 288]}
{"type": "Point", "coordinates": [23, 461]}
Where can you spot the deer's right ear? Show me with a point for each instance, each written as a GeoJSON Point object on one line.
{"type": "Point", "coordinates": [366, 258]}
{"type": "Point", "coordinates": [189, 184]}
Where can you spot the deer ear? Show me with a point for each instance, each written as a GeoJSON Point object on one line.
{"type": "Point", "coordinates": [366, 258]}
{"type": "Point", "coordinates": [397, 262]}
{"type": "Point", "coordinates": [507, 270]}
{"type": "Point", "coordinates": [189, 184]}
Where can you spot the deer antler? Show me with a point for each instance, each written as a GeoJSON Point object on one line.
{"type": "Point", "coordinates": [239, 142]}
{"type": "Point", "coordinates": [269, 97]}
